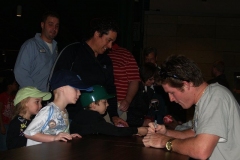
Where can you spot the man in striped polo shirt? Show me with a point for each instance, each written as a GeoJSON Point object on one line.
{"type": "Point", "coordinates": [126, 76]}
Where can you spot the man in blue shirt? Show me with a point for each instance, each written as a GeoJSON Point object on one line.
{"type": "Point", "coordinates": [38, 54]}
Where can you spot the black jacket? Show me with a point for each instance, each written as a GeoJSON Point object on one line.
{"type": "Point", "coordinates": [91, 122]}
{"type": "Point", "coordinates": [15, 136]}
{"type": "Point", "coordinates": [139, 106]}
{"type": "Point", "coordinates": [79, 58]}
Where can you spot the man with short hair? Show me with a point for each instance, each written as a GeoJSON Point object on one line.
{"type": "Point", "coordinates": [37, 55]}
{"type": "Point", "coordinates": [216, 122]}
{"type": "Point", "coordinates": [88, 60]}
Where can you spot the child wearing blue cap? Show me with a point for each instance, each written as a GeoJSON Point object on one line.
{"type": "Point", "coordinates": [52, 123]}
{"type": "Point", "coordinates": [90, 120]}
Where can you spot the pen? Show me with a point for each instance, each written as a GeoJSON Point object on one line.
{"type": "Point", "coordinates": [155, 124]}
{"type": "Point", "coordinates": [155, 121]}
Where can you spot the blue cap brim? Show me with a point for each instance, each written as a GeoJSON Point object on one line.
{"type": "Point", "coordinates": [88, 89]}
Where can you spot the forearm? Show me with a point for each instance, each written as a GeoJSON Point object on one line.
{"type": "Point", "coordinates": [132, 90]}
{"type": "Point", "coordinates": [199, 147]}
{"type": "Point", "coordinates": [41, 137]}
{"type": "Point", "coordinates": [180, 134]}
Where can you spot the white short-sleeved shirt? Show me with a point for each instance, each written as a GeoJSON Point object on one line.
{"type": "Point", "coordinates": [50, 120]}
{"type": "Point", "coordinates": [218, 113]}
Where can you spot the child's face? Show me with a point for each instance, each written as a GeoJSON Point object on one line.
{"type": "Point", "coordinates": [101, 107]}
{"type": "Point", "coordinates": [149, 82]}
{"type": "Point", "coordinates": [34, 105]}
{"type": "Point", "coordinates": [72, 94]}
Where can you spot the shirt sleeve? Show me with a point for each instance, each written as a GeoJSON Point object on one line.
{"type": "Point", "coordinates": [132, 69]}
{"type": "Point", "coordinates": [38, 122]}
{"type": "Point", "coordinates": [90, 122]}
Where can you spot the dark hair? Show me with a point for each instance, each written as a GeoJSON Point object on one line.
{"type": "Point", "coordinates": [88, 107]}
{"type": "Point", "coordinates": [147, 71]}
{"type": "Point", "coordinates": [219, 65]}
{"type": "Point", "coordinates": [102, 25]}
{"type": "Point", "coordinates": [149, 50]}
{"type": "Point", "coordinates": [49, 14]}
{"type": "Point", "coordinates": [178, 68]}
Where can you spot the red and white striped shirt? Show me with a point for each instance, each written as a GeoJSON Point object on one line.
{"type": "Point", "coordinates": [125, 70]}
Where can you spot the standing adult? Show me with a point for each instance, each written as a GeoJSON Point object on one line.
{"type": "Point", "coordinates": [216, 122]}
{"type": "Point", "coordinates": [217, 71]}
{"type": "Point", "coordinates": [126, 77]}
{"type": "Point", "coordinates": [150, 56]}
{"type": "Point", "coordinates": [38, 54]}
{"type": "Point", "coordinates": [88, 60]}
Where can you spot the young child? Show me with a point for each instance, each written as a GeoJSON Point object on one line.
{"type": "Point", "coordinates": [91, 121]}
{"type": "Point", "coordinates": [27, 103]}
{"type": "Point", "coordinates": [52, 123]}
{"type": "Point", "coordinates": [10, 87]}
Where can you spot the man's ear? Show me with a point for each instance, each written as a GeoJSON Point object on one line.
{"type": "Point", "coordinates": [96, 34]}
{"type": "Point", "coordinates": [187, 85]}
{"type": "Point", "coordinates": [42, 25]}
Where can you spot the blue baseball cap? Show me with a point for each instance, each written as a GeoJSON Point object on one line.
{"type": "Point", "coordinates": [65, 77]}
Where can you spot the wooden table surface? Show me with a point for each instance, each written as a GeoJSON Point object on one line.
{"type": "Point", "coordinates": [94, 147]}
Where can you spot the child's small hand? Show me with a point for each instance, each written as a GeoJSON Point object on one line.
{"type": "Point", "coordinates": [62, 137]}
{"type": "Point", "coordinates": [75, 135]}
{"type": "Point", "coordinates": [142, 131]}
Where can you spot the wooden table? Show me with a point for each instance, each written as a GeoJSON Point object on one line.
{"type": "Point", "coordinates": [94, 147]}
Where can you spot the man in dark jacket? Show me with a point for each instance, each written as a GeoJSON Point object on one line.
{"type": "Point", "coordinates": [88, 60]}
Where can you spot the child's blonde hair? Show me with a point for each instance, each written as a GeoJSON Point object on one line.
{"type": "Point", "coordinates": [20, 108]}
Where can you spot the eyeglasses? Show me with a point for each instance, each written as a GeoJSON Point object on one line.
{"type": "Point", "coordinates": [164, 75]}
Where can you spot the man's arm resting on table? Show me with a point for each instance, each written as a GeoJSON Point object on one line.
{"type": "Point", "coordinates": [199, 147]}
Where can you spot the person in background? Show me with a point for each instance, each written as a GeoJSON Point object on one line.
{"type": "Point", "coordinates": [27, 103]}
{"type": "Point", "coordinates": [6, 108]}
{"type": "Point", "coordinates": [90, 120]}
{"type": "Point", "coordinates": [37, 55]}
{"type": "Point", "coordinates": [216, 122]}
{"type": "Point", "coordinates": [89, 60]}
{"type": "Point", "coordinates": [217, 71]}
{"type": "Point", "coordinates": [150, 55]}
{"type": "Point", "coordinates": [138, 112]}
{"type": "Point", "coordinates": [178, 126]}
{"type": "Point", "coordinates": [126, 77]}
{"type": "Point", "coordinates": [52, 122]}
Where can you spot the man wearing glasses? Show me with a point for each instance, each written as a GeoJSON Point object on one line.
{"type": "Point", "coordinates": [216, 122]}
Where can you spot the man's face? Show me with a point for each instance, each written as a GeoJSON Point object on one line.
{"type": "Point", "coordinates": [182, 97]}
{"type": "Point", "coordinates": [104, 42]}
{"type": "Point", "coordinates": [50, 29]}
{"type": "Point", "coordinates": [151, 58]}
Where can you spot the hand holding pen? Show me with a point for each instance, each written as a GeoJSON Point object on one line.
{"type": "Point", "coordinates": [157, 128]}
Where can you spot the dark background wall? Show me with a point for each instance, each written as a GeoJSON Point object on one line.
{"type": "Point", "coordinates": [75, 16]}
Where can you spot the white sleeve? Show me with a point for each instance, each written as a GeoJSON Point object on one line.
{"type": "Point", "coordinates": [38, 122]}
